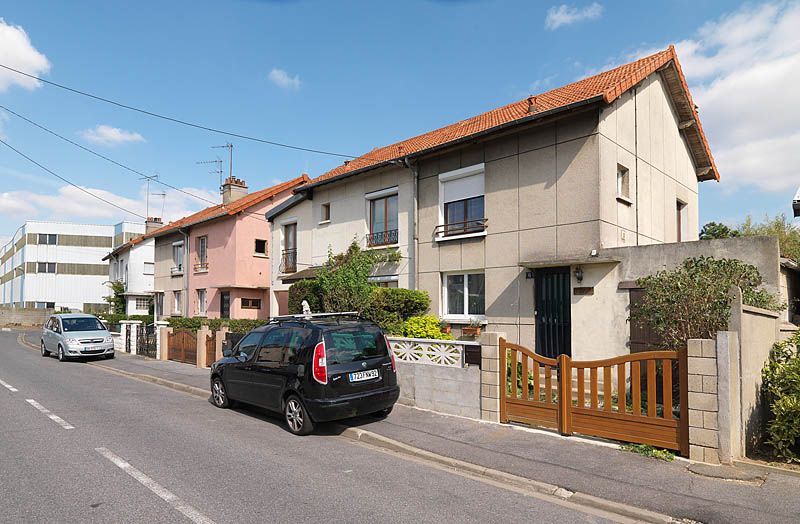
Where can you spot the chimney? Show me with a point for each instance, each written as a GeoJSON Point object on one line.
{"type": "Point", "coordinates": [152, 223]}
{"type": "Point", "coordinates": [233, 189]}
{"type": "Point", "coordinates": [532, 104]}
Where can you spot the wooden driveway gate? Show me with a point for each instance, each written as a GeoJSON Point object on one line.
{"type": "Point", "coordinates": [637, 398]}
{"type": "Point", "coordinates": [183, 346]}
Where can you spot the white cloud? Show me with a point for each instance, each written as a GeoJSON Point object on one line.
{"type": "Point", "coordinates": [284, 80]}
{"type": "Point", "coordinates": [69, 203]}
{"type": "Point", "coordinates": [17, 51]}
{"type": "Point", "coordinates": [566, 15]}
{"type": "Point", "coordinates": [106, 135]}
{"type": "Point", "coordinates": [743, 70]}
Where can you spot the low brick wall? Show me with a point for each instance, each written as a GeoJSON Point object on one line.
{"type": "Point", "coordinates": [451, 390]}
{"type": "Point", "coordinates": [17, 316]}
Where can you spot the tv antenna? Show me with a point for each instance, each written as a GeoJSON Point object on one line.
{"type": "Point", "coordinates": [147, 193]}
{"type": "Point", "coordinates": [217, 169]}
{"type": "Point", "coordinates": [163, 196]}
{"type": "Point", "coordinates": [229, 147]}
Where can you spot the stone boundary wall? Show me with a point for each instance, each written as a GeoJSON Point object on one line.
{"type": "Point", "coordinates": [19, 316]}
{"type": "Point", "coordinates": [451, 390]}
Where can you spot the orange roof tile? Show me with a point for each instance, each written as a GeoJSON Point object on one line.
{"type": "Point", "coordinates": [609, 85]}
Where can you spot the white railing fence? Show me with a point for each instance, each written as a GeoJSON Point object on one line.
{"type": "Point", "coordinates": [448, 353]}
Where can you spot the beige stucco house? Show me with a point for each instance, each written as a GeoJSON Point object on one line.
{"type": "Point", "coordinates": [505, 218]}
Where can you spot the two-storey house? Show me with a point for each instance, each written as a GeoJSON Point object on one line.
{"type": "Point", "coordinates": [132, 264]}
{"type": "Point", "coordinates": [215, 263]}
{"type": "Point", "coordinates": [511, 212]}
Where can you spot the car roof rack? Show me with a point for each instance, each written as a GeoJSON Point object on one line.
{"type": "Point", "coordinates": [315, 316]}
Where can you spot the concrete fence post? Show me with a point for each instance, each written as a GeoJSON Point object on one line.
{"type": "Point", "coordinates": [135, 327]}
{"type": "Point", "coordinates": [730, 409]}
{"type": "Point", "coordinates": [202, 337]}
{"type": "Point", "coordinates": [220, 340]}
{"type": "Point", "coordinates": [123, 334]}
{"type": "Point", "coordinates": [703, 401]}
{"type": "Point", "coordinates": [163, 353]}
{"type": "Point", "coordinates": [490, 375]}
{"type": "Point", "coordinates": [160, 325]}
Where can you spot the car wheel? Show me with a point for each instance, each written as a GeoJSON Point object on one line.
{"type": "Point", "coordinates": [45, 353]}
{"type": "Point", "coordinates": [219, 395]}
{"type": "Point", "coordinates": [297, 418]}
{"type": "Point", "coordinates": [382, 413]}
{"type": "Point", "coordinates": [61, 356]}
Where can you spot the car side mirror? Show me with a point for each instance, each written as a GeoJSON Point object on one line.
{"type": "Point", "coordinates": [227, 352]}
{"type": "Point", "coordinates": [241, 357]}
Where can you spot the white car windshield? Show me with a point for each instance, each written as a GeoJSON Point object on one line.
{"type": "Point", "coordinates": [82, 324]}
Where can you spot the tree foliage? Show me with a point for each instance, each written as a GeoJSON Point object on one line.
{"type": "Point", "coordinates": [781, 386]}
{"type": "Point", "coordinates": [116, 300]}
{"type": "Point", "coordinates": [307, 290]}
{"type": "Point", "coordinates": [714, 230]}
{"type": "Point", "coordinates": [692, 300]}
{"type": "Point", "coordinates": [779, 226]}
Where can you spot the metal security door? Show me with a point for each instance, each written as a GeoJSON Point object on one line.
{"type": "Point", "coordinates": [552, 293]}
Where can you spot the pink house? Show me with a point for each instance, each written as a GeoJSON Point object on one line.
{"type": "Point", "coordinates": [228, 253]}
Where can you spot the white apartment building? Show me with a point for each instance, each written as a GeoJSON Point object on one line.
{"type": "Point", "coordinates": [132, 263]}
{"type": "Point", "coordinates": [60, 264]}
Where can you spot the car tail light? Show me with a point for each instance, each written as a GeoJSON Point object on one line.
{"type": "Point", "coordinates": [320, 367]}
{"type": "Point", "coordinates": [389, 347]}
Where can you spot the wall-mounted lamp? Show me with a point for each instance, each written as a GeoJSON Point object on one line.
{"type": "Point", "coordinates": [579, 274]}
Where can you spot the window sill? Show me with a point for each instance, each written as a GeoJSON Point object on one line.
{"type": "Point", "coordinates": [176, 274]}
{"type": "Point", "coordinates": [324, 222]}
{"type": "Point", "coordinates": [465, 320]}
{"type": "Point", "coordinates": [624, 200]}
{"type": "Point", "coordinates": [443, 238]}
{"type": "Point", "coordinates": [260, 255]}
{"type": "Point", "coordinates": [196, 271]}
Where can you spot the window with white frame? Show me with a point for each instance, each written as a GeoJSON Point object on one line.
{"type": "Point", "coordinates": [202, 254]}
{"type": "Point", "coordinates": [463, 294]}
{"type": "Point", "coordinates": [142, 304]}
{"type": "Point", "coordinates": [325, 212]}
{"type": "Point", "coordinates": [623, 182]}
{"type": "Point", "coordinates": [149, 268]}
{"type": "Point", "coordinates": [176, 302]}
{"type": "Point", "coordinates": [177, 256]}
{"type": "Point", "coordinates": [383, 217]}
{"type": "Point", "coordinates": [461, 199]}
{"type": "Point", "coordinates": [261, 247]}
{"type": "Point", "coordinates": [201, 302]}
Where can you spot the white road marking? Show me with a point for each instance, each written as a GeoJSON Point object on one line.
{"type": "Point", "coordinates": [166, 495]}
{"type": "Point", "coordinates": [8, 386]}
{"type": "Point", "coordinates": [52, 416]}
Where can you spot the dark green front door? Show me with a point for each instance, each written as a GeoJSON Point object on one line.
{"type": "Point", "coordinates": [552, 294]}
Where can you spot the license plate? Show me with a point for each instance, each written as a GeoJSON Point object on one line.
{"type": "Point", "coordinates": [359, 376]}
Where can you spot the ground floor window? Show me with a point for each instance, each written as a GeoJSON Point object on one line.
{"type": "Point", "coordinates": [463, 294]}
{"type": "Point", "coordinates": [201, 302]}
{"type": "Point", "coordinates": [177, 302]}
{"type": "Point", "coordinates": [251, 303]}
{"type": "Point", "coordinates": [142, 303]}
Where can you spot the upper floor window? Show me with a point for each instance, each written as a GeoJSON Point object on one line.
{"type": "Point", "coordinates": [47, 239]}
{"type": "Point", "coordinates": [261, 247]}
{"type": "Point", "coordinates": [177, 257]}
{"type": "Point", "coordinates": [202, 254]}
{"type": "Point", "coordinates": [325, 212]}
{"type": "Point", "coordinates": [681, 211]}
{"type": "Point", "coordinates": [289, 255]}
{"type": "Point", "coordinates": [623, 183]}
{"type": "Point", "coordinates": [149, 268]}
{"type": "Point", "coordinates": [46, 267]}
{"type": "Point", "coordinates": [461, 197]}
{"type": "Point", "coordinates": [382, 220]}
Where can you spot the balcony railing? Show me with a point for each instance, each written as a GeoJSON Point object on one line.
{"type": "Point", "coordinates": [382, 238]}
{"type": "Point", "coordinates": [176, 270]}
{"type": "Point", "coordinates": [201, 267]}
{"type": "Point", "coordinates": [289, 261]}
{"type": "Point", "coordinates": [461, 228]}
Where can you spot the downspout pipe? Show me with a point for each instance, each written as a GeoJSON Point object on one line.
{"type": "Point", "coordinates": [636, 157]}
{"type": "Point", "coordinates": [415, 223]}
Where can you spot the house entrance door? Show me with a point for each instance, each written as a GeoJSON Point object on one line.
{"type": "Point", "coordinates": [552, 303]}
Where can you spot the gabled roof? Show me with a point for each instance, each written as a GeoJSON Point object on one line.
{"type": "Point", "coordinates": [217, 211]}
{"type": "Point", "coordinates": [603, 87]}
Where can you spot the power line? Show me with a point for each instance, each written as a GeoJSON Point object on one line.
{"type": "Point", "coordinates": [99, 155]}
{"type": "Point", "coordinates": [98, 197]}
{"type": "Point", "coordinates": [177, 120]}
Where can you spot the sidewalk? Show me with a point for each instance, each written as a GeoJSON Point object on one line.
{"type": "Point", "coordinates": [597, 469]}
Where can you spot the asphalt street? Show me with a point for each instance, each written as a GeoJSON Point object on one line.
{"type": "Point", "coordinates": [80, 444]}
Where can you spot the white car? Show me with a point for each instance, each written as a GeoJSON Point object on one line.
{"type": "Point", "coordinates": [73, 335]}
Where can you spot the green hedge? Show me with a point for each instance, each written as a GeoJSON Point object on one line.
{"type": "Point", "coordinates": [390, 308]}
{"type": "Point", "coordinates": [781, 387]}
{"type": "Point", "coordinates": [214, 324]}
{"type": "Point", "coordinates": [305, 290]}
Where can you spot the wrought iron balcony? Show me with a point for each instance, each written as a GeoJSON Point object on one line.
{"type": "Point", "coordinates": [461, 228]}
{"type": "Point", "coordinates": [201, 267]}
{"type": "Point", "coordinates": [288, 261]}
{"type": "Point", "coordinates": [382, 238]}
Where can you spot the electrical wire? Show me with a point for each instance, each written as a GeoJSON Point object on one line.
{"type": "Point", "coordinates": [179, 121]}
{"type": "Point", "coordinates": [98, 197]}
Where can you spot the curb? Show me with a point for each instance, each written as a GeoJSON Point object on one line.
{"type": "Point", "coordinates": [191, 390]}
{"type": "Point", "coordinates": [536, 486]}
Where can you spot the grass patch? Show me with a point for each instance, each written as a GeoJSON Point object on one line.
{"type": "Point", "coordinates": [649, 451]}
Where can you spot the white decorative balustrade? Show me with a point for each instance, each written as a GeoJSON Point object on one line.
{"type": "Point", "coordinates": [448, 353]}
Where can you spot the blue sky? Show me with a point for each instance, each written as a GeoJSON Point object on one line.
{"type": "Point", "coordinates": [349, 76]}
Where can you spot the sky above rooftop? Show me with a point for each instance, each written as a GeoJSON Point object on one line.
{"type": "Point", "coordinates": [346, 77]}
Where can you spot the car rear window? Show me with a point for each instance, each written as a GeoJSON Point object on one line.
{"type": "Point", "coordinates": [82, 324]}
{"type": "Point", "coordinates": [352, 343]}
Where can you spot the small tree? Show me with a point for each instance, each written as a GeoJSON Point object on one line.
{"type": "Point", "coordinates": [116, 301]}
{"type": "Point", "coordinates": [714, 230]}
{"type": "Point", "coordinates": [692, 300]}
{"type": "Point", "coordinates": [782, 228]}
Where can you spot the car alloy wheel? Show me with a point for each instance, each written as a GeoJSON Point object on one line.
{"type": "Point", "coordinates": [297, 418]}
{"type": "Point", "coordinates": [45, 353]}
{"type": "Point", "coordinates": [61, 356]}
{"type": "Point", "coordinates": [218, 394]}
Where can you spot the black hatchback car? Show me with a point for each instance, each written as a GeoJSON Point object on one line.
{"type": "Point", "coordinates": [313, 368]}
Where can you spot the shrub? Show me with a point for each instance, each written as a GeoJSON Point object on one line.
{"type": "Point", "coordinates": [116, 300]}
{"type": "Point", "coordinates": [215, 324]}
{"type": "Point", "coordinates": [781, 386]}
{"type": "Point", "coordinates": [692, 301]}
{"type": "Point", "coordinates": [390, 307]}
{"type": "Point", "coordinates": [305, 290]}
{"type": "Point", "coordinates": [426, 326]}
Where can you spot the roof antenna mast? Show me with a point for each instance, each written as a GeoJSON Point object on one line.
{"type": "Point", "coordinates": [229, 147]}
{"type": "Point", "coordinates": [163, 196]}
{"type": "Point", "coordinates": [216, 171]}
{"type": "Point", "coordinates": [147, 193]}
